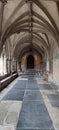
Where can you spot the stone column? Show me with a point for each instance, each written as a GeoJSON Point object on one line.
{"type": "Point", "coordinates": [7, 65]}
{"type": "Point", "coordinates": [3, 3]}
{"type": "Point", "coordinates": [3, 64]}
{"type": "Point", "coordinates": [3, 60]}
{"type": "Point", "coordinates": [0, 85]}
{"type": "Point", "coordinates": [47, 66]}
{"type": "Point", "coordinates": [51, 65]}
{"type": "Point", "coordinates": [16, 65]}
{"type": "Point", "coordinates": [10, 65]}
{"type": "Point", "coordinates": [20, 65]}
{"type": "Point", "coordinates": [51, 59]}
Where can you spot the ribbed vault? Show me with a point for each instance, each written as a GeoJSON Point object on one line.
{"type": "Point", "coordinates": [31, 24]}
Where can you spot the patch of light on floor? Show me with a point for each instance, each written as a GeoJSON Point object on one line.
{"type": "Point", "coordinates": [6, 127]}
{"type": "Point", "coordinates": [41, 81]}
{"type": "Point", "coordinates": [13, 109]}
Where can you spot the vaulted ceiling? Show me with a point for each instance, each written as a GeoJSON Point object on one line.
{"type": "Point", "coordinates": [29, 24]}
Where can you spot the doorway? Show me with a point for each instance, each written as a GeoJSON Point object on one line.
{"type": "Point", "coordinates": [30, 62]}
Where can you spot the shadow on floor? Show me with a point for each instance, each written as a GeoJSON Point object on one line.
{"type": "Point", "coordinates": [17, 92]}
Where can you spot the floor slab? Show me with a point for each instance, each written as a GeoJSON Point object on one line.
{"type": "Point", "coordinates": [29, 104]}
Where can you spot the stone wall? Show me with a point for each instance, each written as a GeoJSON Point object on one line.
{"type": "Point", "coordinates": [38, 62]}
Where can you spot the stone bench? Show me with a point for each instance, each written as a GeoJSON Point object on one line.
{"type": "Point", "coordinates": [6, 81]}
{"type": "Point", "coordinates": [4, 76]}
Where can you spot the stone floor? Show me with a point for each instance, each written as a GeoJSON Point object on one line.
{"type": "Point", "coordinates": [29, 103]}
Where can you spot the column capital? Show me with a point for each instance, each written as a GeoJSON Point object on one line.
{"type": "Point", "coordinates": [4, 1]}
{"type": "Point", "coordinates": [28, 1]}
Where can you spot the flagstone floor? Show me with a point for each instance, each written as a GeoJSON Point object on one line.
{"type": "Point", "coordinates": [29, 103]}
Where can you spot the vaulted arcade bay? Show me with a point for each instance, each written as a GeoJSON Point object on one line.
{"type": "Point", "coordinates": [29, 36]}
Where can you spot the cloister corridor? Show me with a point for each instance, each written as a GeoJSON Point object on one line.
{"type": "Point", "coordinates": [29, 64]}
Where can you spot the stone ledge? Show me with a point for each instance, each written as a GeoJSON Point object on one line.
{"type": "Point", "coordinates": [7, 81]}
{"type": "Point", "coordinates": [4, 76]}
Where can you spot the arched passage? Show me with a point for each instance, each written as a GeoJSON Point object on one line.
{"type": "Point", "coordinates": [30, 62]}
